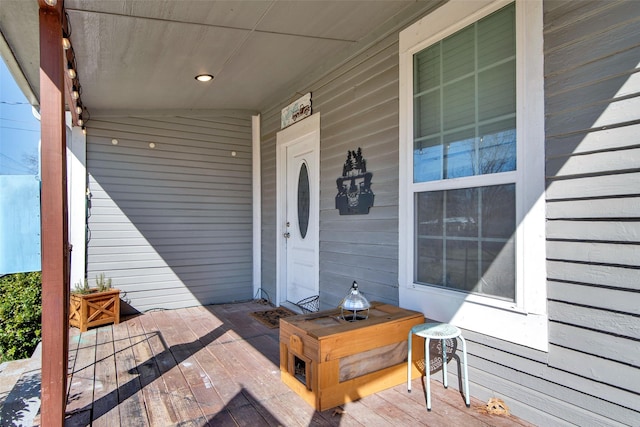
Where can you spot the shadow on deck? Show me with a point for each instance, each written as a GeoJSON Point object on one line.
{"type": "Point", "coordinates": [217, 366]}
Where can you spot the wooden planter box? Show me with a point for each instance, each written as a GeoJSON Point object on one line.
{"type": "Point", "coordinates": [94, 309]}
{"type": "Point", "coordinates": [329, 361]}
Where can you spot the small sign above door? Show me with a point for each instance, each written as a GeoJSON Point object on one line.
{"type": "Point", "coordinates": [296, 111]}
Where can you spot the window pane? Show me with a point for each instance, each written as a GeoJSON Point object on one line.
{"type": "Point", "coordinates": [460, 154]}
{"type": "Point", "coordinates": [426, 114]}
{"type": "Point", "coordinates": [465, 240]}
{"type": "Point", "coordinates": [498, 211]}
{"type": "Point", "coordinates": [427, 62]}
{"type": "Point", "coordinates": [498, 270]}
{"type": "Point", "coordinates": [429, 261]}
{"type": "Point", "coordinates": [429, 211]}
{"type": "Point", "coordinates": [497, 150]}
{"type": "Point", "coordinates": [461, 213]}
{"type": "Point", "coordinates": [457, 54]}
{"type": "Point", "coordinates": [497, 91]}
{"type": "Point", "coordinates": [497, 36]}
{"type": "Point", "coordinates": [429, 266]}
{"type": "Point", "coordinates": [427, 160]}
{"type": "Point", "coordinates": [459, 105]}
{"type": "Point", "coordinates": [465, 100]}
{"type": "Point", "coordinates": [462, 265]}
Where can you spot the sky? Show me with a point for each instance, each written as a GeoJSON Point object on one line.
{"type": "Point", "coordinates": [19, 190]}
{"type": "Point", "coordinates": [19, 129]}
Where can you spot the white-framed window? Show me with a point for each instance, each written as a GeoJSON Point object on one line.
{"type": "Point", "coordinates": [472, 217]}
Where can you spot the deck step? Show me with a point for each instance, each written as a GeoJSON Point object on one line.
{"type": "Point", "coordinates": [20, 391]}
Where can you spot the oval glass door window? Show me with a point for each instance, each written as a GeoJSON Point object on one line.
{"type": "Point", "coordinates": [303, 200]}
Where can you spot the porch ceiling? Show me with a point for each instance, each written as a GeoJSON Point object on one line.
{"type": "Point", "coordinates": [144, 55]}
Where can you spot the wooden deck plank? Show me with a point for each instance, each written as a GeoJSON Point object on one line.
{"type": "Point", "coordinates": [130, 399]}
{"type": "Point", "coordinates": [184, 344]}
{"type": "Point", "coordinates": [202, 321]}
{"type": "Point", "coordinates": [174, 349]}
{"type": "Point", "coordinates": [106, 411]}
{"type": "Point", "coordinates": [390, 411]}
{"type": "Point", "coordinates": [74, 342]}
{"type": "Point", "coordinates": [156, 396]}
{"type": "Point", "coordinates": [288, 409]}
{"type": "Point", "coordinates": [213, 332]}
{"type": "Point", "coordinates": [218, 366]}
{"type": "Point", "coordinates": [245, 415]}
{"type": "Point", "coordinates": [163, 357]}
{"type": "Point", "coordinates": [80, 396]}
{"type": "Point", "coordinates": [441, 416]}
{"type": "Point", "coordinates": [222, 419]}
{"type": "Point", "coordinates": [361, 413]}
{"type": "Point", "coordinates": [268, 346]}
{"type": "Point", "coordinates": [413, 403]}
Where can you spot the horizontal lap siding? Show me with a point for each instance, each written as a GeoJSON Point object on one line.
{"type": "Point", "coordinates": [593, 204]}
{"type": "Point", "coordinates": [359, 108]}
{"type": "Point", "coordinates": [592, 85]}
{"type": "Point", "coordinates": [590, 374]}
{"type": "Point", "coordinates": [171, 225]}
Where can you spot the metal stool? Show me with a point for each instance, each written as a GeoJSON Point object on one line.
{"type": "Point", "coordinates": [441, 331]}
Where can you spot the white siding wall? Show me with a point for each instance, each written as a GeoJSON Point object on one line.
{"type": "Point", "coordinates": [171, 225]}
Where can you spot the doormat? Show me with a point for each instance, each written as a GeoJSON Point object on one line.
{"type": "Point", "coordinates": [271, 318]}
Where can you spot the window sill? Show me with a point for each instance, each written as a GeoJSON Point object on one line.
{"type": "Point", "coordinates": [511, 324]}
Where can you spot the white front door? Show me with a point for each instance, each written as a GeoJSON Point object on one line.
{"type": "Point", "coordinates": [298, 210]}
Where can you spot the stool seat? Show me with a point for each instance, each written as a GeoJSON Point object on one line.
{"type": "Point", "coordinates": [436, 331]}
{"type": "Point", "coordinates": [440, 331]}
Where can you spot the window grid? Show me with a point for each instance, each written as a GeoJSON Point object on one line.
{"type": "Point", "coordinates": [475, 161]}
{"type": "Point", "coordinates": [442, 133]}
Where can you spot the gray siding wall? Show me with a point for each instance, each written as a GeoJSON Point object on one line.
{"type": "Point", "coordinates": [592, 86]}
{"type": "Point", "coordinates": [359, 108]}
{"type": "Point", "coordinates": [591, 375]}
{"type": "Point", "coordinates": [171, 225]}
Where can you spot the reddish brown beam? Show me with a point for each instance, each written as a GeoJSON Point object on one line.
{"type": "Point", "coordinates": [55, 277]}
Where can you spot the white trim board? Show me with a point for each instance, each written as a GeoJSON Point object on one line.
{"type": "Point", "coordinates": [525, 321]}
{"type": "Point", "coordinates": [257, 205]}
{"type": "Point", "coordinates": [284, 138]}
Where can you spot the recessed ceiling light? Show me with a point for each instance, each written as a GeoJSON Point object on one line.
{"type": "Point", "coordinates": [204, 77]}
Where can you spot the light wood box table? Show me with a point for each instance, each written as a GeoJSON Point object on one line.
{"type": "Point", "coordinates": [329, 361]}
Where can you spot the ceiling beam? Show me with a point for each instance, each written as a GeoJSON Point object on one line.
{"type": "Point", "coordinates": [18, 75]}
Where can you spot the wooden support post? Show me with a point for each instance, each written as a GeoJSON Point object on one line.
{"type": "Point", "coordinates": [55, 277]}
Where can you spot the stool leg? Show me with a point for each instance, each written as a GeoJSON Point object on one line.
{"type": "Point", "coordinates": [444, 363]}
{"type": "Point", "coordinates": [466, 372]}
{"type": "Point", "coordinates": [427, 368]}
{"type": "Point", "coordinates": [409, 362]}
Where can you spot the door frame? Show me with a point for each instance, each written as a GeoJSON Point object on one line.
{"type": "Point", "coordinates": [286, 137]}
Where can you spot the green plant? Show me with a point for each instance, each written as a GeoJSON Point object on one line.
{"type": "Point", "coordinates": [102, 284]}
{"type": "Point", "coordinates": [20, 314]}
{"type": "Point", "coordinates": [82, 287]}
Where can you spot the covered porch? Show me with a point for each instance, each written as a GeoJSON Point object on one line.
{"type": "Point", "coordinates": [217, 365]}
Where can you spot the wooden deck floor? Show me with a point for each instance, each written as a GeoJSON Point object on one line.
{"type": "Point", "coordinates": [217, 366]}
